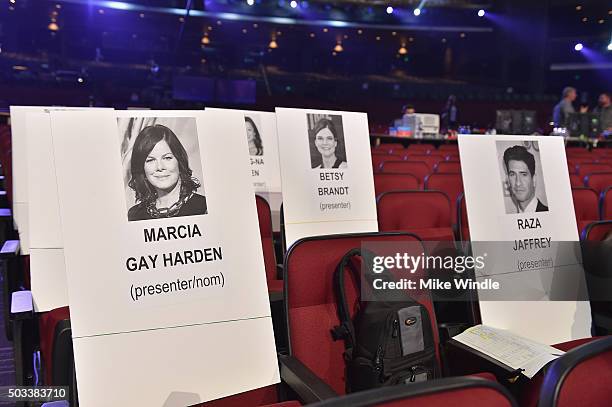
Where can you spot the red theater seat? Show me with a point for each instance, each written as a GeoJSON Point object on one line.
{"type": "Point", "coordinates": [390, 148]}
{"type": "Point", "coordinates": [449, 167]}
{"type": "Point", "coordinates": [54, 330]}
{"type": "Point", "coordinates": [263, 397]}
{"type": "Point", "coordinates": [430, 160]}
{"type": "Point", "coordinates": [379, 160]}
{"type": "Point", "coordinates": [463, 227]}
{"type": "Point", "coordinates": [312, 313]}
{"type": "Point", "coordinates": [576, 181]}
{"type": "Point", "coordinates": [392, 182]}
{"type": "Point", "coordinates": [416, 168]}
{"type": "Point", "coordinates": [598, 180]}
{"type": "Point", "coordinates": [450, 184]}
{"type": "Point", "coordinates": [530, 392]}
{"type": "Point", "coordinates": [585, 169]}
{"type": "Point", "coordinates": [455, 391]}
{"type": "Point", "coordinates": [581, 377]}
{"type": "Point", "coordinates": [267, 244]}
{"type": "Point", "coordinates": [449, 148]}
{"type": "Point", "coordinates": [606, 204]}
{"type": "Point", "coordinates": [425, 213]}
{"type": "Point", "coordinates": [586, 206]}
{"type": "Point", "coordinates": [415, 148]}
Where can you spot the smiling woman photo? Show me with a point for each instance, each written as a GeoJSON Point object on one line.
{"type": "Point", "coordinates": [161, 177]}
{"type": "Point", "coordinates": [326, 142]}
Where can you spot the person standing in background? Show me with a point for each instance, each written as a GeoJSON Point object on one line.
{"type": "Point", "coordinates": [564, 108]}
{"type": "Point", "coordinates": [604, 111]}
{"type": "Point", "coordinates": [449, 114]}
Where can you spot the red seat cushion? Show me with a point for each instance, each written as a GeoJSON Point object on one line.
{"type": "Point", "coordinates": [586, 206]}
{"type": "Point", "coordinates": [606, 202]}
{"type": "Point", "coordinates": [47, 321]}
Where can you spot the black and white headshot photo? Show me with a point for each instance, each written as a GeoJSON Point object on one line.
{"type": "Point", "coordinates": [253, 136]}
{"type": "Point", "coordinates": [522, 177]}
{"type": "Point", "coordinates": [326, 140]}
{"type": "Point", "coordinates": [161, 167]}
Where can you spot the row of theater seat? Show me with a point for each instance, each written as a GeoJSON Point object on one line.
{"type": "Point", "coordinates": [313, 364]}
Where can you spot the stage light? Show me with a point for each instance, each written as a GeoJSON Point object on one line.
{"type": "Point", "coordinates": [293, 4]}
{"type": "Point", "coordinates": [53, 26]}
{"type": "Point", "coordinates": [12, 1]}
{"type": "Point", "coordinates": [273, 44]}
{"type": "Point", "coordinates": [578, 47]}
{"type": "Point", "coordinates": [610, 46]}
{"type": "Point", "coordinates": [389, 10]}
{"type": "Point", "coordinates": [80, 80]}
{"type": "Point", "coordinates": [205, 40]}
{"type": "Point", "coordinates": [250, 2]}
{"type": "Point", "coordinates": [481, 13]}
{"type": "Point", "coordinates": [402, 50]}
{"type": "Point", "coordinates": [417, 12]}
{"type": "Point", "coordinates": [338, 48]}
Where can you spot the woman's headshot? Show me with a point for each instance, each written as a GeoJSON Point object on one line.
{"type": "Point", "coordinates": [326, 139]}
{"type": "Point", "coordinates": [253, 137]}
{"type": "Point", "coordinates": [161, 178]}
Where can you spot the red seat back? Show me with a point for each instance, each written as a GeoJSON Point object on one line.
{"type": "Point", "coordinates": [416, 168]}
{"type": "Point", "coordinates": [464, 230]}
{"type": "Point", "coordinates": [585, 169]}
{"type": "Point", "coordinates": [580, 377]}
{"type": "Point", "coordinates": [598, 231]}
{"type": "Point", "coordinates": [449, 167]}
{"type": "Point", "coordinates": [606, 204]}
{"type": "Point", "coordinates": [586, 206]}
{"type": "Point", "coordinates": [425, 213]}
{"type": "Point", "coordinates": [452, 391]}
{"type": "Point", "coordinates": [311, 301]}
{"type": "Point", "coordinates": [576, 181]}
{"type": "Point", "coordinates": [430, 160]}
{"type": "Point", "coordinates": [47, 322]}
{"type": "Point", "coordinates": [378, 160]}
{"type": "Point", "coordinates": [267, 243]}
{"type": "Point", "coordinates": [450, 184]}
{"type": "Point", "coordinates": [598, 180]}
{"type": "Point", "coordinates": [413, 148]}
{"type": "Point", "coordinates": [390, 148]}
{"type": "Point", "coordinates": [449, 148]}
{"type": "Point", "coordinates": [392, 182]}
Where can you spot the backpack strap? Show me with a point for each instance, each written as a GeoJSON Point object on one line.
{"type": "Point", "coordinates": [346, 330]}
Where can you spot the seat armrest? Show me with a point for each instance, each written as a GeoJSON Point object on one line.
{"type": "Point", "coordinates": [10, 248]}
{"type": "Point", "coordinates": [308, 386]}
{"type": "Point", "coordinates": [22, 306]}
{"type": "Point", "coordinates": [449, 329]}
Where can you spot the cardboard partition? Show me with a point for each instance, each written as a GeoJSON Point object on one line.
{"type": "Point", "coordinates": [163, 257]}
{"type": "Point", "coordinates": [517, 190]}
{"type": "Point", "coordinates": [326, 172]}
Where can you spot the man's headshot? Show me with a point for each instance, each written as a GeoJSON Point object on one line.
{"type": "Point", "coordinates": [522, 183]}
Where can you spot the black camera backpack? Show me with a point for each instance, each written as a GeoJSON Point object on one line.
{"type": "Point", "coordinates": [388, 342]}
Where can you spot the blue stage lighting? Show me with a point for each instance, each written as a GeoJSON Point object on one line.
{"type": "Point", "coordinates": [610, 46]}
{"type": "Point", "coordinates": [481, 13]}
{"type": "Point", "coordinates": [389, 10]}
{"type": "Point", "coordinates": [250, 2]}
{"type": "Point", "coordinates": [293, 4]}
{"type": "Point", "coordinates": [578, 47]}
{"type": "Point", "coordinates": [417, 12]}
